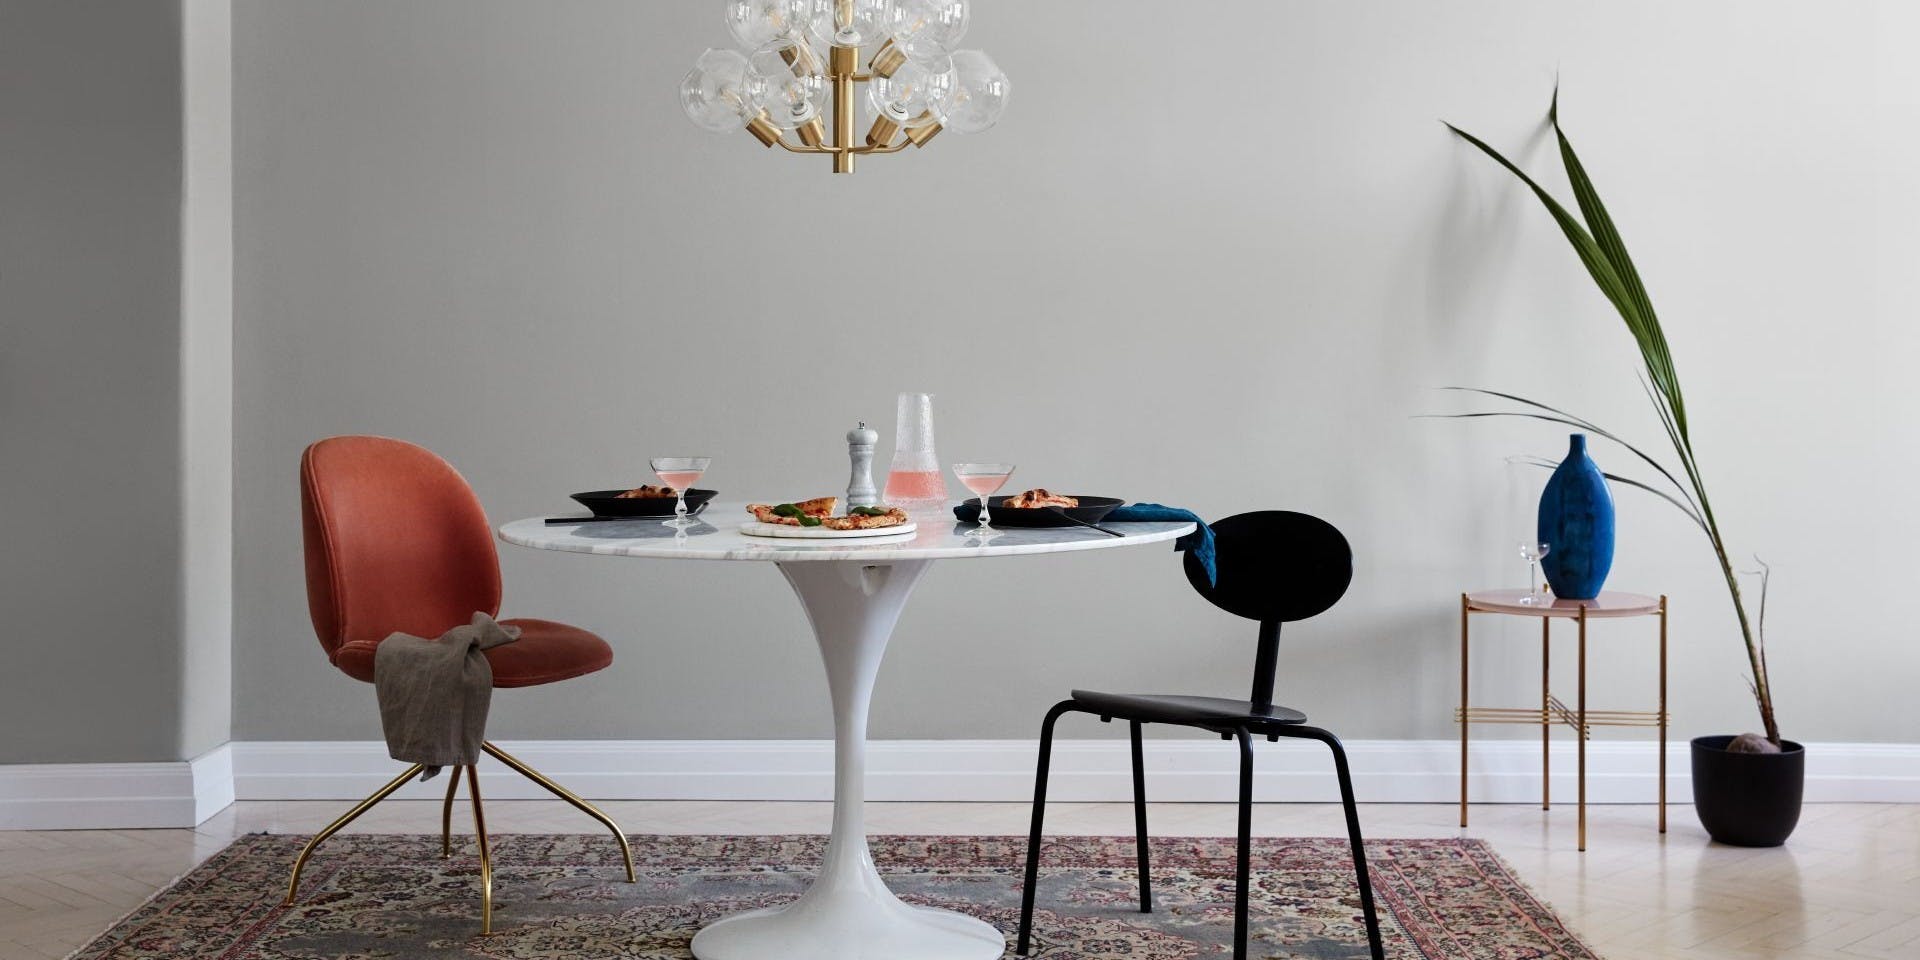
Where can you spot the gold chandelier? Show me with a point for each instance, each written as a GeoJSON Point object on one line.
{"type": "Point", "coordinates": [917, 83]}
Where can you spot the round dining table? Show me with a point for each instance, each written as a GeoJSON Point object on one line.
{"type": "Point", "coordinates": [852, 591]}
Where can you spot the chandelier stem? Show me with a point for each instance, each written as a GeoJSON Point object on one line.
{"type": "Point", "coordinates": [842, 64]}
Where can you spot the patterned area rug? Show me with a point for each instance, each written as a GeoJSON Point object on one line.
{"type": "Point", "coordinates": [367, 897]}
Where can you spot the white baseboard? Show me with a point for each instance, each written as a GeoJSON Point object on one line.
{"type": "Point", "coordinates": [116, 796]}
{"type": "Point", "coordinates": [212, 782]}
{"type": "Point", "coordinates": [186, 793]}
{"type": "Point", "coordinates": [1384, 771]}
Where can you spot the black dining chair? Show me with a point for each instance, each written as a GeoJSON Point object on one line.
{"type": "Point", "coordinates": [1274, 567]}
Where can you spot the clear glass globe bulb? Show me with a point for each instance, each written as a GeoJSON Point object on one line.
{"type": "Point", "coordinates": [784, 79]}
{"type": "Point", "coordinates": [924, 28]}
{"type": "Point", "coordinates": [867, 22]}
{"type": "Point", "coordinates": [980, 91]}
{"type": "Point", "coordinates": [714, 92]}
{"type": "Point", "coordinates": [754, 22]}
{"type": "Point", "coordinates": [917, 87]}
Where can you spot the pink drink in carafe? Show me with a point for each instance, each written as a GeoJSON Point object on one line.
{"type": "Point", "coordinates": [915, 477]}
{"type": "Point", "coordinates": [910, 485]}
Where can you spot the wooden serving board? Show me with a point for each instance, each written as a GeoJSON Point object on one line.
{"type": "Point", "coordinates": [754, 528]}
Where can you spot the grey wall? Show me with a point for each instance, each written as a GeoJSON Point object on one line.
{"type": "Point", "coordinates": [1217, 256]}
{"type": "Point", "coordinates": [90, 380]}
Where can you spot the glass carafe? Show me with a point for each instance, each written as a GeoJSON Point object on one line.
{"type": "Point", "coordinates": [916, 478]}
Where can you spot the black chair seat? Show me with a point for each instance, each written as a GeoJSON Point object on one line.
{"type": "Point", "coordinates": [1192, 711]}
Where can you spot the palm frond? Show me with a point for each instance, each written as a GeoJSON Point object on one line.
{"type": "Point", "coordinates": [1596, 262]}
{"type": "Point", "coordinates": [1598, 245]}
{"type": "Point", "coordinates": [1642, 322]}
{"type": "Point", "coordinates": [1590, 426]}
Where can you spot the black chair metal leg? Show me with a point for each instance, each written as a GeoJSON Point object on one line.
{"type": "Point", "coordinates": [1374, 946]}
{"type": "Point", "coordinates": [1140, 821]}
{"type": "Point", "coordinates": [1245, 853]}
{"type": "Point", "coordinates": [1039, 813]}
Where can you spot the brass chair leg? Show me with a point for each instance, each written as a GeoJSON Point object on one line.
{"type": "Point", "coordinates": [486, 854]}
{"type": "Point", "coordinates": [626, 851]}
{"type": "Point", "coordinates": [446, 815]}
{"type": "Point", "coordinates": [300, 862]}
{"type": "Point", "coordinates": [446, 824]}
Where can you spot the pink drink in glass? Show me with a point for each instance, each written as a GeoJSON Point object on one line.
{"type": "Point", "coordinates": [915, 485]}
{"type": "Point", "coordinates": [984, 479]}
{"type": "Point", "coordinates": [680, 473]}
{"type": "Point", "coordinates": [680, 479]}
{"type": "Point", "coordinates": [985, 484]}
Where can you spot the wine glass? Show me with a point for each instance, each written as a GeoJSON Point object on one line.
{"type": "Point", "coordinates": [680, 473]}
{"type": "Point", "coordinates": [1532, 552]}
{"type": "Point", "coordinates": [984, 479]}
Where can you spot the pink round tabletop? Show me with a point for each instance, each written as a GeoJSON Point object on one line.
{"type": "Point", "coordinates": [1610, 603]}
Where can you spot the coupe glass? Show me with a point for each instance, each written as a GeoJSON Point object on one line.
{"type": "Point", "coordinates": [1531, 552]}
{"type": "Point", "coordinates": [680, 473]}
{"type": "Point", "coordinates": [985, 480]}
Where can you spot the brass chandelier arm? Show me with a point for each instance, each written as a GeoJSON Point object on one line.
{"type": "Point", "coordinates": [854, 151]}
{"type": "Point", "coordinates": [844, 75]}
{"type": "Point", "coordinates": [801, 147]}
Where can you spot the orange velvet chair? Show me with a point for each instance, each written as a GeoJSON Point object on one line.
{"type": "Point", "coordinates": [397, 541]}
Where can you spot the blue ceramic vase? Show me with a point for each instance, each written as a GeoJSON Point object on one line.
{"type": "Point", "coordinates": [1576, 519]}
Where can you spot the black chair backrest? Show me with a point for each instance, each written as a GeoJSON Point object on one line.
{"type": "Point", "coordinates": [1274, 566]}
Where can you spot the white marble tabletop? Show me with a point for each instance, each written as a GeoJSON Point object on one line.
{"type": "Point", "coordinates": [718, 537]}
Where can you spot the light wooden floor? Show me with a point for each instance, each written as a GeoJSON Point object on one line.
{"type": "Point", "coordinates": [1847, 887]}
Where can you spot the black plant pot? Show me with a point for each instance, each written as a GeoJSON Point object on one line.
{"type": "Point", "coordinates": [1747, 799]}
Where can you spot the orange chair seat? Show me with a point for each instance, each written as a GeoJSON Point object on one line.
{"type": "Point", "coordinates": [545, 653]}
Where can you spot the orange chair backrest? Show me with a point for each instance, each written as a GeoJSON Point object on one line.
{"type": "Point", "coordinates": [395, 540]}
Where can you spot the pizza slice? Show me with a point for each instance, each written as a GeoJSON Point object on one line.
{"type": "Point", "coordinates": [891, 517]}
{"type": "Point", "coordinates": [763, 512]}
{"type": "Point", "coordinates": [647, 491]}
{"type": "Point", "coordinates": [1036, 499]}
{"type": "Point", "coordinates": [789, 514]}
{"type": "Point", "coordinates": [819, 506]}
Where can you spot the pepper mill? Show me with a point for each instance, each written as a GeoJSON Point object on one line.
{"type": "Point", "coordinates": [860, 489]}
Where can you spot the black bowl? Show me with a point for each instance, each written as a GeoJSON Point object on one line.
{"type": "Point", "coordinates": [1090, 510]}
{"type": "Point", "coordinates": [609, 503]}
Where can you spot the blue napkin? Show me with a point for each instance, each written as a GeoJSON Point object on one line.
{"type": "Point", "coordinates": [1200, 541]}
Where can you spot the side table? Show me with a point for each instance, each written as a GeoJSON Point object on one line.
{"type": "Point", "coordinates": [1608, 605]}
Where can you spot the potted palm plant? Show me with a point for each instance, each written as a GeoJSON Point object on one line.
{"type": "Point", "coordinates": [1746, 788]}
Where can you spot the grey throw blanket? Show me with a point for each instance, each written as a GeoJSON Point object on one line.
{"type": "Point", "coordinates": [434, 694]}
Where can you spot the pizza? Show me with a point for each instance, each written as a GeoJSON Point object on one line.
{"type": "Point", "coordinates": [789, 514]}
{"type": "Point", "coordinates": [648, 491]}
{"type": "Point", "coordinates": [818, 512]}
{"type": "Point", "coordinates": [857, 520]}
{"type": "Point", "coordinates": [1036, 499]}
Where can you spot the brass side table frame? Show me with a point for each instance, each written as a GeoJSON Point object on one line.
{"type": "Point", "coordinates": [1609, 605]}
